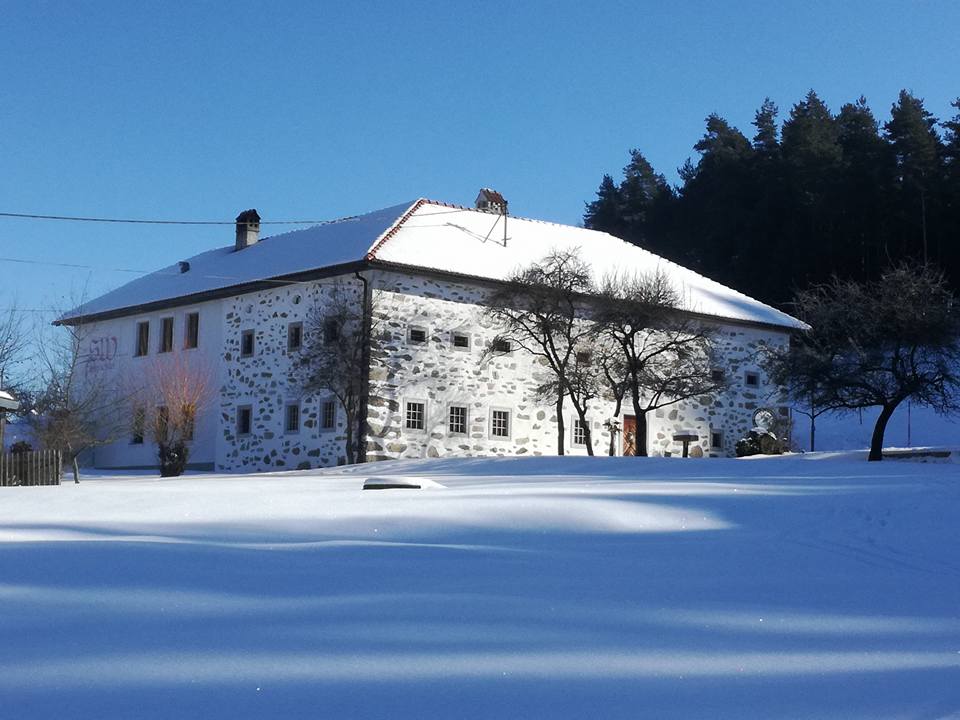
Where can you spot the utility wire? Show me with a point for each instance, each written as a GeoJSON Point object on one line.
{"type": "Point", "coordinates": [74, 218]}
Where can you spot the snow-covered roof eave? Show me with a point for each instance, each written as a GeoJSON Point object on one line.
{"type": "Point", "coordinates": [424, 236]}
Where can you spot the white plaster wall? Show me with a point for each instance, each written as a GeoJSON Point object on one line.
{"type": "Point", "coordinates": [109, 347]}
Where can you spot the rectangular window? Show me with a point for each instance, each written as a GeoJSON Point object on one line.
{"type": "Point", "coordinates": [716, 439]}
{"type": "Point", "coordinates": [328, 415]}
{"type": "Point", "coordinates": [163, 423]}
{"type": "Point", "coordinates": [166, 334]}
{"type": "Point", "coordinates": [294, 336]}
{"type": "Point", "coordinates": [191, 334]}
{"type": "Point", "coordinates": [751, 379]}
{"type": "Point", "coordinates": [500, 423]}
{"type": "Point", "coordinates": [417, 335]}
{"type": "Point", "coordinates": [291, 422]}
{"type": "Point", "coordinates": [139, 424]}
{"type": "Point", "coordinates": [244, 418]}
{"type": "Point", "coordinates": [415, 418]}
{"type": "Point", "coordinates": [246, 344]}
{"type": "Point", "coordinates": [143, 338]}
{"type": "Point", "coordinates": [579, 433]}
{"type": "Point", "coordinates": [584, 357]}
{"type": "Point", "coordinates": [716, 375]}
{"type": "Point", "coordinates": [189, 415]}
{"type": "Point", "coordinates": [457, 424]}
{"type": "Point", "coordinates": [331, 331]}
{"type": "Point", "coordinates": [461, 341]}
{"type": "Point", "coordinates": [502, 346]}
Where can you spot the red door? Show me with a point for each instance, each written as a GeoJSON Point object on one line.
{"type": "Point", "coordinates": [629, 435]}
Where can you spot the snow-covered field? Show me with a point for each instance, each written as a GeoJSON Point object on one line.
{"type": "Point", "coordinates": [800, 587]}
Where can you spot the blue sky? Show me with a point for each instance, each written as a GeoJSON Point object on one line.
{"type": "Point", "coordinates": [318, 110]}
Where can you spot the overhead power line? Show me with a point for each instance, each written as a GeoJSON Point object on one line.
{"type": "Point", "coordinates": [73, 218]}
{"type": "Point", "coordinates": [136, 221]}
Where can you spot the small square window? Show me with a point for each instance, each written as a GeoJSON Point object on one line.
{"type": "Point", "coordinates": [751, 379]}
{"type": "Point", "coordinates": [166, 334]}
{"type": "Point", "coordinates": [716, 439]}
{"type": "Point", "coordinates": [191, 336]}
{"type": "Point", "coordinates": [584, 357]}
{"type": "Point", "coordinates": [246, 344]}
{"type": "Point", "coordinates": [291, 422]}
{"type": "Point", "coordinates": [417, 335]}
{"type": "Point", "coordinates": [457, 424]}
{"type": "Point", "coordinates": [461, 341]}
{"type": "Point", "coordinates": [331, 331]}
{"type": "Point", "coordinates": [500, 423]}
{"type": "Point", "coordinates": [415, 417]}
{"type": "Point", "coordinates": [143, 338]}
{"type": "Point", "coordinates": [716, 375]}
{"type": "Point", "coordinates": [502, 346]}
{"type": "Point", "coordinates": [244, 419]}
{"type": "Point", "coordinates": [294, 336]}
{"type": "Point", "coordinates": [328, 415]}
{"type": "Point", "coordinates": [579, 433]}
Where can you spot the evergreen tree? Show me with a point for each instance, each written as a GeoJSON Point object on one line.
{"type": "Point", "coordinates": [863, 179]}
{"type": "Point", "coordinates": [911, 132]}
{"type": "Point", "coordinates": [606, 213]}
{"type": "Point", "coordinates": [766, 140]}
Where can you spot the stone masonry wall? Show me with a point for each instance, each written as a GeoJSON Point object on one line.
{"type": "Point", "coordinates": [438, 374]}
{"type": "Point", "coordinates": [263, 382]}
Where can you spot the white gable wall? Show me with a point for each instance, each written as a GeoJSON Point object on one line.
{"type": "Point", "coordinates": [109, 349]}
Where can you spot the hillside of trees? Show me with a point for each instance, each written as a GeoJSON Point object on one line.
{"type": "Point", "coordinates": [818, 195]}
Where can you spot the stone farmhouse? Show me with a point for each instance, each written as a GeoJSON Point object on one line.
{"type": "Point", "coordinates": [425, 267]}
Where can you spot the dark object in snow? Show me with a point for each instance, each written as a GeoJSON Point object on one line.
{"type": "Point", "coordinates": [759, 441]}
{"type": "Point", "coordinates": [173, 458]}
{"type": "Point", "coordinates": [380, 483]}
{"type": "Point", "coordinates": [686, 437]}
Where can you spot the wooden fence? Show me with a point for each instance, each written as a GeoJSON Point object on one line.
{"type": "Point", "coordinates": [40, 467]}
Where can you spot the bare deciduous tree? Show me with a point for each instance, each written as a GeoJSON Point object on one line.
{"type": "Point", "coordinates": [666, 354]}
{"type": "Point", "coordinates": [540, 309]}
{"type": "Point", "coordinates": [876, 344]}
{"type": "Point", "coordinates": [177, 389]}
{"type": "Point", "coordinates": [73, 408]}
{"type": "Point", "coordinates": [334, 354]}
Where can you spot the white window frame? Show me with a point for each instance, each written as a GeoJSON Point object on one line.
{"type": "Point", "coordinates": [162, 346]}
{"type": "Point", "coordinates": [240, 409]}
{"type": "Point", "coordinates": [466, 420]}
{"type": "Point", "coordinates": [406, 416]}
{"type": "Point", "coordinates": [490, 433]}
{"type": "Point", "coordinates": [420, 328]}
{"type": "Point", "coordinates": [573, 434]}
{"type": "Point", "coordinates": [290, 327]}
{"type": "Point", "coordinates": [287, 430]}
{"type": "Point", "coordinates": [253, 342]}
{"type": "Point", "coordinates": [186, 330]}
{"type": "Point", "coordinates": [327, 402]}
{"type": "Point", "coordinates": [146, 344]}
{"type": "Point", "coordinates": [461, 348]}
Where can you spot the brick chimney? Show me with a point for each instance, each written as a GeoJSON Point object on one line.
{"type": "Point", "coordinates": [248, 229]}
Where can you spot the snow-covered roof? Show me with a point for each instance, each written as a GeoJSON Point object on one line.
{"type": "Point", "coordinates": [425, 235]}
